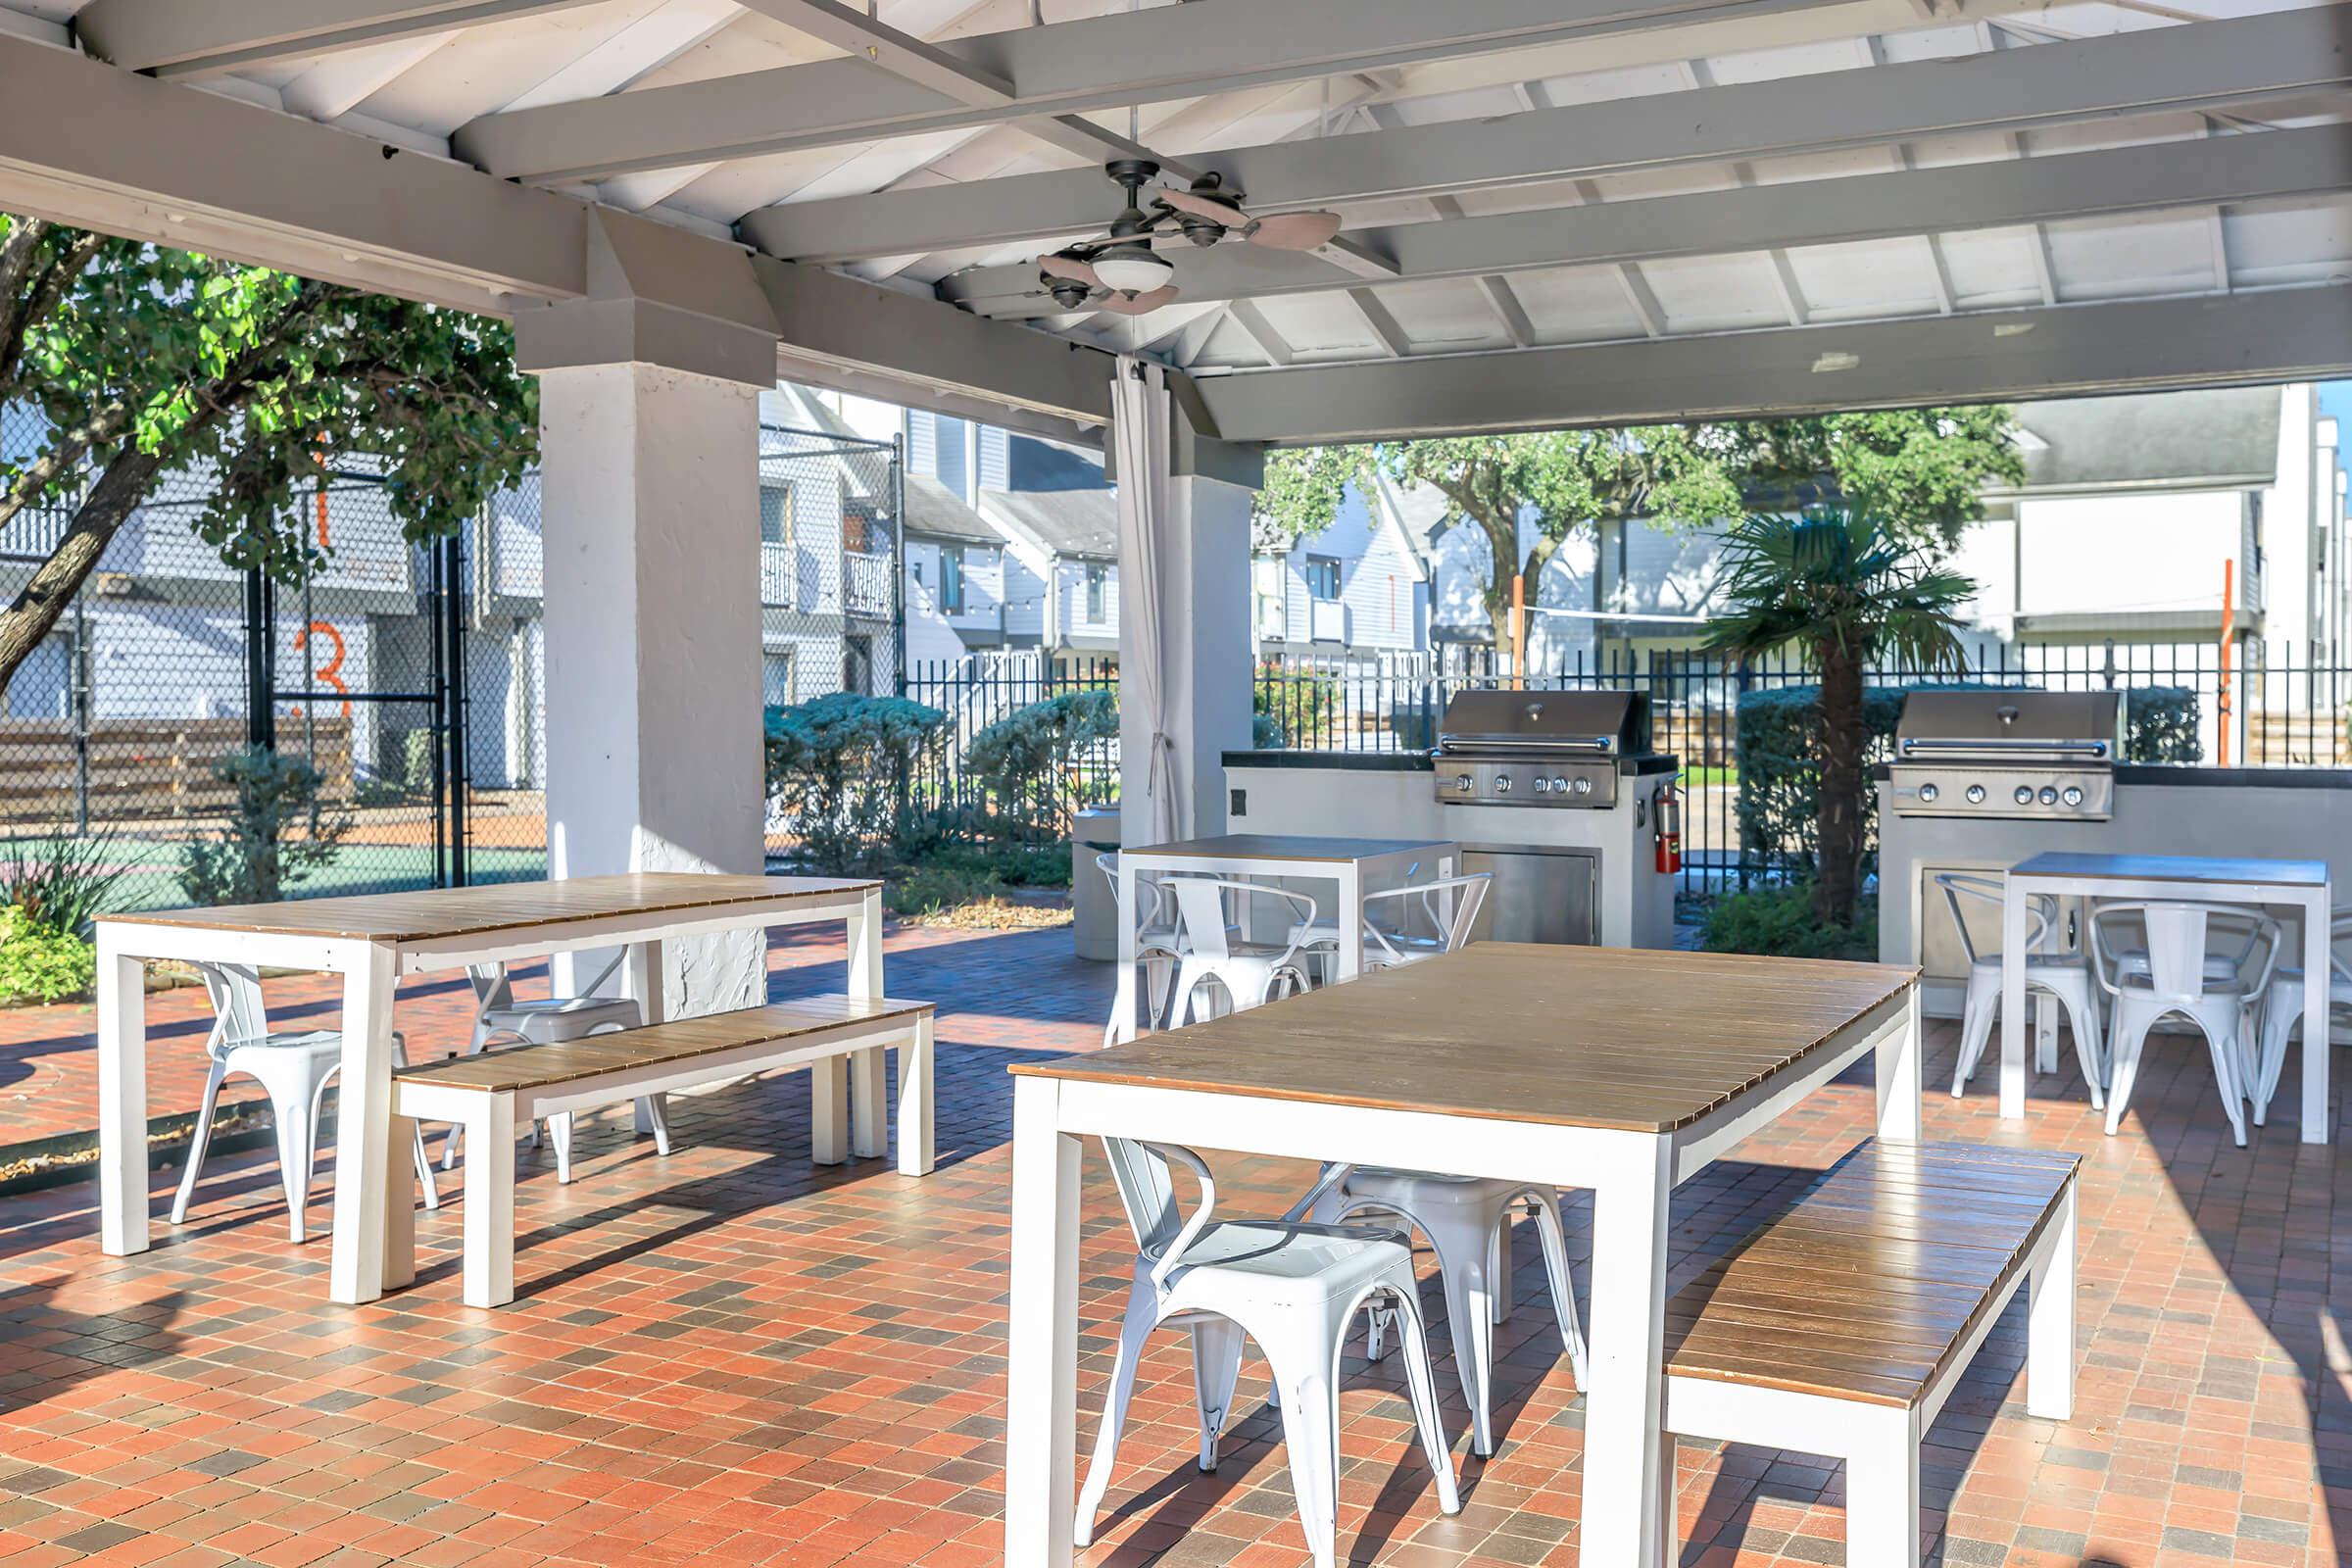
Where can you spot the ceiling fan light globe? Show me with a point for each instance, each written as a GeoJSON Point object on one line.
{"type": "Point", "coordinates": [1131, 268]}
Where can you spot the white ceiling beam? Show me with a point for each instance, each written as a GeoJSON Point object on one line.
{"type": "Point", "coordinates": [2239, 61]}
{"type": "Point", "coordinates": [1270, 343]}
{"type": "Point", "coordinates": [1386, 328]}
{"type": "Point", "coordinates": [1105, 62]}
{"type": "Point", "coordinates": [82, 142]}
{"type": "Point", "coordinates": [1954, 198]}
{"type": "Point", "coordinates": [1701, 75]}
{"type": "Point", "coordinates": [1939, 271]}
{"type": "Point", "coordinates": [2069, 350]}
{"type": "Point", "coordinates": [186, 38]}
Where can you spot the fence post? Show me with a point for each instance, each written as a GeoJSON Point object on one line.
{"type": "Point", "coordinates": [79, 678]}
{"type": "Point", "coordinates": [456, 765]}
{"type": "Point", "coordinates": [260, 662]}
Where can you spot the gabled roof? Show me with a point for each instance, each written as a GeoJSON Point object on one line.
{"type": "Point", "coordinates": [2153, 440]}
{"type": "Point", "coordinates": [935, 511]}
{"type": "Point", "coordinates": [1074, 524]}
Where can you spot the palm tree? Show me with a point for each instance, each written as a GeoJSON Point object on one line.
{"type": "Point", "coordinates": [1838, 588]}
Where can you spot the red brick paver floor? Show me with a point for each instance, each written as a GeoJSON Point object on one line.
{"type": "Point", "coordinates": [731, 1356]}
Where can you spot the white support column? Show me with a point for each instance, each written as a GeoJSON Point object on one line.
{"type": "Point", "coordinates": [1206, 645]}
{"type": "Point", "coordinates": [652, 532]}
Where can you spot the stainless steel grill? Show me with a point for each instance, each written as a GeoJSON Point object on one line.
{"type": "Point", "coordinates": [2007, 754]}
{"type": "Point", "coordinates": [1523, 748]}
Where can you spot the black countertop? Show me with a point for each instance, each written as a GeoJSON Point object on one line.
{"type": "Point", "coordinates": [2192, 775]}
{"type": "Point", "coordinates": [1404, 761]}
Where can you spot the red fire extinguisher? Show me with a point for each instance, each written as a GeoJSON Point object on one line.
{"type": "Point", "coordinates": [1666, 812]}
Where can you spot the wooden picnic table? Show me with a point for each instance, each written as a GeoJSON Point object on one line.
{"type": "Point", "coordinates": [1622, 1071]}
{"type": "Point", "coordinates": [372, 940]}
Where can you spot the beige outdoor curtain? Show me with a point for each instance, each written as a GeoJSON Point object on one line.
{"type": "Point", "coordinates": [1139, 429]}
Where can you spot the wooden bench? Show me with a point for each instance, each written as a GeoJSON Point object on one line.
{"type": "Point", "coordinates": [1840, 1327]}
{"type": "Point", "coordinates": [495, 1091]}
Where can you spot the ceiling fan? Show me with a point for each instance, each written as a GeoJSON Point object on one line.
{"type": "Point", "coordinates": [1122, 273]}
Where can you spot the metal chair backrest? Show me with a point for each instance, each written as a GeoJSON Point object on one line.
{"type": "Point", "coordinates": [1150, 899]}
{"type": "Point", "coordinates": [1200, 908]}
{"type": "Point", "coordinates": [239, 1015]}
{"type": "Point", "coordinates": [2176, 935]}
{"type": "Point", "coordinates": [2041, 912]}
{"type": "Point", "coordinates": [1146, 1190]}
{"type": "Point", "coordinates": [1447, 934]}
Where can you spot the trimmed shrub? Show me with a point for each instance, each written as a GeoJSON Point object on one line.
{"type": "Point", "coordinates": [255, 860]}
{"type": "Point", "coordinates": [838, 770]}
{"type": "Point", "coordinates": [1780, 923]}
{"type": "Point", "coordinates": [1297, 707]}
{"type": "Point", "coordinates": [41, 963]}
{"type": "Point", "coordinates": [1028, 762]}
{"type": "Point", "coordinates": [2160, 724]}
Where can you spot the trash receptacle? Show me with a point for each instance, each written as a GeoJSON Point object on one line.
{"type": "Point", "coordinates": [1094, 906]}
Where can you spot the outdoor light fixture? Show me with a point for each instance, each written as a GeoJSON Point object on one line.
{"type": "Point", "coordinates": [1131, 268]}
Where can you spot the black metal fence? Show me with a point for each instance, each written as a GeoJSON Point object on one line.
{"type": "Point", "coordinates": [2261, 707]}
{"type": "Point", "coordinates": [977, 692]}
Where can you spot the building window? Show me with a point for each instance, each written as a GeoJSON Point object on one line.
{"type": "Point", "coordinates": [951, 580]}
{"type": "Point", "coordinates": [776, 679]}
{"type": "Point", "coordinates": [860, 528]}
{"type": "Point", "coordinates": [776, 513]}
{"type": "Point", "coordinates": [1097, 577]}
{"type": "Point", "coordinates": [1322, 577]}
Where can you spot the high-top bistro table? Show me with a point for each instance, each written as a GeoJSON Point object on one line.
{"type": "Point", "coordinates": [372, 940]}
{"type": "Point", "coordinates": [1350, 865]}
{"type": "Point", "coordinates": [2296, 883]}
{"type": "Point", "coordinates": [1622, 1071]}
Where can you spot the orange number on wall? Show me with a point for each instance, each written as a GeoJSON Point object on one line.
{"type": "Point", "coordinates": [330, 672]}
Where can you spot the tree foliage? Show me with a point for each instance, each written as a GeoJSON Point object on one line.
{"type": "Point", "coordinates": [1921, 470]}
{"type": "Point", "coordinates": [146, 361]}
{"type": "Point", "coordinates": [1844, 590]}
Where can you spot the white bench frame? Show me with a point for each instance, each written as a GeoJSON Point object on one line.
{"type": "Point", "coordinates": [1880, 1442]}
{"type": "Point", "coordinates": [490, 1117]}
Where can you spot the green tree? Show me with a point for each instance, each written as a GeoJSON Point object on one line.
{"type": "Point", "coordinates": [1923, 469]}
{"type": "Point", "coordinates": [1842, 588]}
{"type": "Point", "coordinates": [145, 360]}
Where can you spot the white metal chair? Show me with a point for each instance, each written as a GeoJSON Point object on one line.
{"type": "Point", "coordinates": [1154, 940]}
{"type": "Point", "coordinates": [1467, 1220]}
{"type": "Point", "coordinates": [293, 1067]}
{"type": "Point", "coordinates": [1207, 948]}
{"type": "Point", "coordinates": [2179, 984]}
{"type": "Point", "coordinates": [2282, 1011]}
{"type": "Point", "coordinates": [2064, 977]}
{"type": "Point", "coordinates": [501, 1018]}
{"type": "Point", "coordinates": [1449, 913]}
{"type": "Point", "coordinates": [1294, 1288]}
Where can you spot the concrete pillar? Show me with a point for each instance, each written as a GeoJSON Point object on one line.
{"type": "Point", "coordinates": [1204, 606]}
{"type": "Point", "coordinates": [1208, 645]}
{"type": "Point", "coordinates": [650, 429]}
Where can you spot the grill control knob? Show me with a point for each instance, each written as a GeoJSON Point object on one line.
{"type": "Point", "coordinates": [1928, 792]}
{"type": "Point", "coordinates": [1542, 785]}
{"type": "Point", "coordinates": [2048, 795]}
{"type": "Point", "coordinates": [2072, 795]}
{"type": "Point", "coordinates": [2025, 795]}
{"type": "Point", "coordinates": [1463, 783]}
{"type": "Point", "coordinates": [1502, 784]}
{"type": "Point", "coordinates": [1584, 786]}
{"type": "Point", "coordinates": [1975, 795]}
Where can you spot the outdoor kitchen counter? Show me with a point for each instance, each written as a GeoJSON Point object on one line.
{"type": "Point", "coordinates": [2266, 813]}
{"type": "Point", "coordinates": [1403, 762]}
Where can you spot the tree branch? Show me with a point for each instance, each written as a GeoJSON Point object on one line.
{"type": "Point", "coordinates": [29, 310]}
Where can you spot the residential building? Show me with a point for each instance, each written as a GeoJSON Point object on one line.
{"type": "Point", "coordinates": [1361, 585]}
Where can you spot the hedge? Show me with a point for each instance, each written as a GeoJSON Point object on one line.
{"type": "Point", "coordinates": [1777, 771]}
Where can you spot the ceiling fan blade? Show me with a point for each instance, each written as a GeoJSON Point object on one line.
{"type": "Point", "coordinates": [1137, 304]}
{"type": "Point", "coordinates": [1295, 231]}
{"type": "Point", "coordinates": [1198, 206]}
{"type": "Point", "coordinates": [1069, 267]}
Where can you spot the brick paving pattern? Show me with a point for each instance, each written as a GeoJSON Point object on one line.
{"type": "Point", "coordinates": [729, 1355]}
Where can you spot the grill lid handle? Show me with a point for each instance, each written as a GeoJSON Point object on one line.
{"type": "Point", "coordinates": [1924, 743]}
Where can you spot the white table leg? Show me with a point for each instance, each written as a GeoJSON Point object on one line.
{"type": "Point", "coordinates": [1351, 921]}
{"type": "Point", "coordinates": [1123, 1005]}
{"type": "Point", "coordinates": [1898, 1073]}
{"type": "Point", "coordinates": [1625, 1457]}
{"type": "Point", "coordinates": [2316, 935]}
{"type": "Point", "coordinates": [121, 1100]}
{"type": "Point", "coordinates": [489, 1277]}
{"type": "Point", "coordinates": [364, 1127]}
{"type": "Point", "coordinates": [647, 973]}
{"type": "Point", "coordinates": [400, 1220]}
{"type": "Point", "coordinates": [2013, 1000]}
{"type": "Point", "coordinates": [1040, 1412]}
{"type": "Point", "coordinates": [916, 1151]}
{"type": "Point", "coordinates": [869, 1069]}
